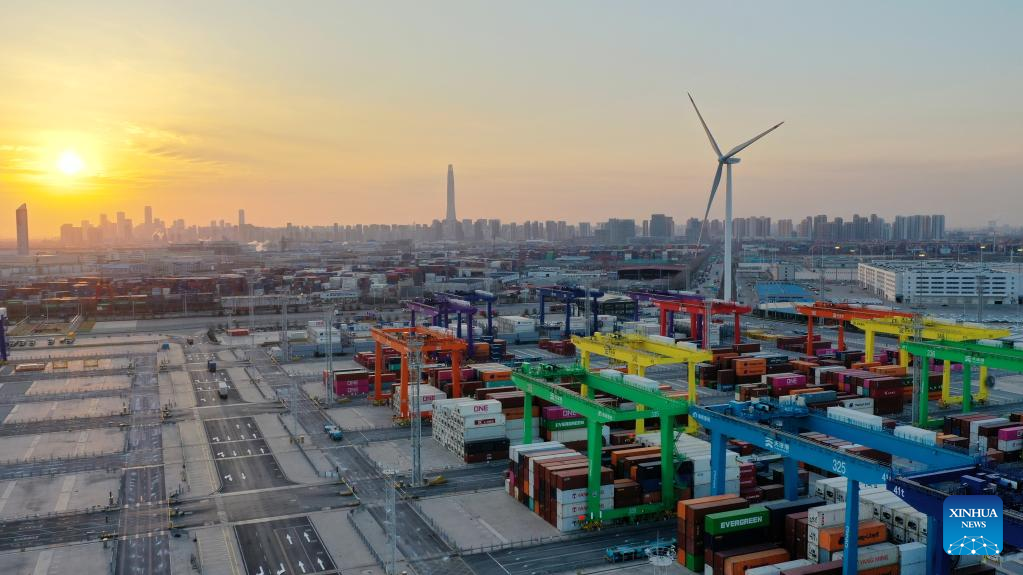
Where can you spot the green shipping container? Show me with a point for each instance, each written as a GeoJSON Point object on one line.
{"type": "Point", "coordinates": [737, 520]}
{"type": "Point", "coordinates": [563, 424]}
{"type": "Point", "coordinates": [694, 563]}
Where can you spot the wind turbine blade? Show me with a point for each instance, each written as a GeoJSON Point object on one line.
{"type": "Point", "coordinates": [746, 144]}
{"type": "Point", "coordinates": [713, 191]}
{"type": "Point", "coordinates": [710, 136]}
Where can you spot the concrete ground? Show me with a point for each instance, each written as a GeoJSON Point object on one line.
{"type": "Point", "coordinates": [80, 559]}
{"type": "Point", "coordinates": [173, 459]}
{"type": "Point", "coordinates": [314, 368]}
{"type": "Point", "coordinates": [241, 381]}
{"type": "Point", "coordinates": [295, 465]}
{"type": "Point", "coordinates": [85, 365]}
{"type": "Point", "coordinates": [261, 338]}
{"type": "Point", "coordinates": [349, 553]}
{"type": "Point", "coordinates": [114, 326]}
{"type": "Point", "coordinates": [176, 389]}
{"type": "Point", "coordinates": [361, 417]}
{"type": "Point", "coordinates": [397, 455]}
{"type": "Point", "coordinates": [202, 478]}
{"type": "Point", "coordinates": [43, 495]}
{"type": "Point", "coordinates": [73, 351]}
{"type": "Point", "coordinates": [79, 384]}
{"type": "Point", "coordinates": [71, 408]}
{"type": "Point", "coordinates": [61, 444]}
{"type": "Point", "coordinates": [483, 518]}
{"type": "Point", "coordinates": [218, 550]}
{"type": "Point", "coordinates": [175, 356]}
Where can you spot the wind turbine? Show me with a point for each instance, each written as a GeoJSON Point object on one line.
{"type": "Point", "coordinates": [726, 159]}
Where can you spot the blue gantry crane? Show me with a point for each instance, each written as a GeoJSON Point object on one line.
{"type": "Point", "coordinates": [568, 295]}
{"type": "Point", "coordinates": [476, 297]}
{"type": "Point", "coordinates": [780, 435]}
{"type": "Point", "coordinates": [440, 308]}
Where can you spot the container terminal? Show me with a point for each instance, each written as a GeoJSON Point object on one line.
{"type": "Point", "coordinates": [540, 428]}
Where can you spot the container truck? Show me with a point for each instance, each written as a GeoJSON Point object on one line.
{"type": "Point", "coordinates": [211, 366]}
{"type": "Point", "coordinates": [222, 389]}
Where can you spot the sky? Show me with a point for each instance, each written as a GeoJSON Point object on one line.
{"type": "Point", "coordinates": [318, 112]}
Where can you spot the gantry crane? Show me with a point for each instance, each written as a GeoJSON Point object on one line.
{"type": "Point", "coordinates": [429, 341]}
{"type": "Point", "coordinates": [968, 354]}
{"type": "Point", "coordinates": [639, 352]}
{"type": "Point", "coordinates": [841, 312]}
{"type": "Point", "coordinates": [440, 309]}
{"type": "Point", "coordinates": [568, 296]}
{"type": "Point", "coordinates": [666, 295]}
{"type": "Point", "coordinates": [932, 329]}
{"type": "Point", "coordinates": [474, 297]}
{"type": "Point", "coordinates": [700, 313]}
{"type": "Point", "coordinates": [542, 380]}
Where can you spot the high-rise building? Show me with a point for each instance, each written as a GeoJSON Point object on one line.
{"type": "Point", "coordinates": [149, 216]}
{"type": "Point", "coordinates": [21, 219]}
{"type": "Point", "coordinates": [662, 226]}
{"type": "Point", "coordinates": [450, 221]}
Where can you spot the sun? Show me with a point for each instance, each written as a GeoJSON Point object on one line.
{"type": "Point", "coordinates": [70, 163]}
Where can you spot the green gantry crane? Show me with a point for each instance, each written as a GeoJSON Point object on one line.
{"type": "Point", "coordinates": [969, 354]}
{"type": "Point", "coordinates": [541, 381]}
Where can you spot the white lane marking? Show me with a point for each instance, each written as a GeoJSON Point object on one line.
{"type": "Point", "coordinates": [301, 566]}
{"type": "Point", "coordinates": [288, 537]}
{"type": "Point", "coordinates": [229, 478]}
{"type": "Point", "coordinates": [320, 561]}
{"type": "Point", "coordinates": [306, 534]}
{"type": "Point", "coordinates": [281, 571]}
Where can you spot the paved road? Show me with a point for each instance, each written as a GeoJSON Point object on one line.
{"type": "Point", "coordinates": [565, 556]}
{"type": "Point", "coordinates": [283, 547]}
{"type": "Point", "coordinates": [58, 529]}
{"type": "Point", "coordinates": [264, 503]}
{"type": "Point", "coordinates": [428, 554]}
{"type": "Point", "coordinates": [244, 460]}
{"type": "Point", "coordinates": [143, 548]}
{"type": "Point", "coordinates": [108, 462]}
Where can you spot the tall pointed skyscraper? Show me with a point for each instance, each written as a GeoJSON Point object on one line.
{"type": "Point", "coordinates": [451, 221]}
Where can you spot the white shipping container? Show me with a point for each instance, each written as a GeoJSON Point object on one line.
{"type": "Point", "coordinates": [880, 555]}
{"type": "Point", "coordinates": [484, 420]}
{"type": "Point", "coordinates": [1010, 445]}
{"type": "Point", "coordinates": [580, 507]}
{"type": "Point", "coordinates": [831, 515]}
{"type": "Point", "coordinates": [576, 495]}
{"type": "Point", "coordinates": [861, 404]}
{"type": "Point", "coordinates": [910, 553]}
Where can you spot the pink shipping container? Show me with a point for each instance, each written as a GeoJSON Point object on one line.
{"type": "Point", "coordinates": [1010, 433]}
{"type": "Point", "coordinates": [556, 412]}
{"type": "Point", "coordinates": [786, 379]}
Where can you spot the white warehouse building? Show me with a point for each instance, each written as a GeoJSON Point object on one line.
{"type": "Point", "coordinates": [941, 282]}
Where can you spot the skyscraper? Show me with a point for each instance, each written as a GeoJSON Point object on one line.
{"type": "Point", "coordinates": [21, 217]}
{"type": "Point", "coordinates": [149, 216]}
{"type": "Point", "coordinates": [450, 221]}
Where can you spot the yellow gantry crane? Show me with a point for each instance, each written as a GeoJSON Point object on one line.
{"type": "Point", "coordinates": [640, 352]}
{"type": "Point", "coordinates": [905, 328]}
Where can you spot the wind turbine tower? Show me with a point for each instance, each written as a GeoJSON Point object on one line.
{"type": "Point", "coordinates": [725, 161]}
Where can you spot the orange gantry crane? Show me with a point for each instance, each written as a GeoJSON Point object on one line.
{"type": "Point", "coordinates": [842, 312]}
{"type": "Point", "coordinates": [431, 341]}
{"type": "Point", "coordinates": [700, 313]}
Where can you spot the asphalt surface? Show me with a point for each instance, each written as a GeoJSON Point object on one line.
{"type": "Point", "coordinates": [565, 556]}
{"type": "Point", "coordinates": [50, 425]}
{"type": "Point", "coordinates": [261, 504]}
{"type": "Point", "coordinates": [417, 541]}
{"type": "Point", "coordinates": [82, 464]}
{"type": "Point", "coordinates": [143, 545]}
{"type": "Point", "coordinates": [243, 458]}
{"type": "Point", "coordinates": [283, 547]}
{"type": "Point", "coordinates": [55, 529]}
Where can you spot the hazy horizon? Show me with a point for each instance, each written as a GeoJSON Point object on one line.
{"type": "Point", "coordinates": [577, 111]}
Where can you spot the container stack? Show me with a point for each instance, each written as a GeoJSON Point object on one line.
{"type": "Point", "coordinates": [551, 480]}
{"type": "Point", "coordinates": [693, 471]}
{"type": "Point", "coordinates": [427, 395]}
{"type": "Point", "coordinates": [725, 534]}
{"type": "Point", "coordinates": [493, 374]}
{"type": "Point", "coordinates": [560, 424]}
{"type": "Point", "coordinates": [350, 382]}
{"type": "Point", "coordinates": [473, 430]}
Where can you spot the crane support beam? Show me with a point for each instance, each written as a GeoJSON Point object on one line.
{"type": "Point", "coordinates": [431, 342]}
{"type": "Point", "coordinates": [904, 328]}
{"type": "Point", "coordinates": [842, 313]}
{"type": "Point", "coordinates": [700, 311]}
{"type": "Point", "coordinates": [969, 355]}
{"type": "Point", "coordinates": [533, 381]}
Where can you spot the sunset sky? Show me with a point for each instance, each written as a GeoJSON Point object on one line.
{"type": "Point", "coordinates": [344, 111]}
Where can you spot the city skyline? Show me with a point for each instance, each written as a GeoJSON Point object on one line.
{"type": "Point", "coordinates": [315, 133]}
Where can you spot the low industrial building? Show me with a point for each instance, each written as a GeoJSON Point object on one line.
{"type": "Point", "coordinates": [941, 282]}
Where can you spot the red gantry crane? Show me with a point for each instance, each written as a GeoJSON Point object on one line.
{"type": "Point", "coordinates": [432, 342]}
{"type": "Point", "coordinates": [842, 312]}
{"type": "Point", "coordinates": [699, 315]}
